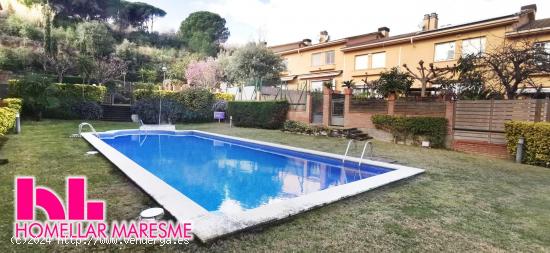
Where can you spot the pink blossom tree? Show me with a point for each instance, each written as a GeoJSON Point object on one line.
{"type": "Point", "coordinates": [204, 74]}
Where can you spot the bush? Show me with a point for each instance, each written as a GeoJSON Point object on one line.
{"type": "Point", "coordinates": [7, 119]}
{"type": "Point", "coordinates": [433, 128]}
{"type": "Point", "coordinates": [60, 100]}
{"type": "Point", "coordinates": [8, 111]}
{"type": "Point", "coordinates": [148, 110]}
{"type": "Point", "coordinates": [87, 110]}
{"type": "Point", "coordinates": [197, 102]}
{"type": "Point", "coordinates": [14, 103]}
{"type": "Point", "coordinates": [537, 140]}
{"type": "Point", "coordinates": [268, 114]}
{"type": "Point", "coordinates": [224, 96]}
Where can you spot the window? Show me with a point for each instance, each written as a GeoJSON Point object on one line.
{"type": "Point", "coordinates": [473, 46]}
{"type": "Point", "coordinates": [444, 51]}
{"type": "Point", "coordinates": [316, 59]}
{"type": "Point", "coordinates": [379, 60]}
{"type": "Point", "coordinates": [545, 51]}
{"type": "Point", "coordinates": [329, 57]}
{"type": "Point", "coordinates": [323, 58]}
{"type": "Point", "coordinates": [362, 62]}
{"type": "Point", "coordinates": [316, 85]}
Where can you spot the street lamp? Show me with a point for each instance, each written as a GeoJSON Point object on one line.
{"type": "Point", "coordinates": [164, 69]}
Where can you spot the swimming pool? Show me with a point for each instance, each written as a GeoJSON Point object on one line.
{"type": "Point", "coordinates": [224, 184]}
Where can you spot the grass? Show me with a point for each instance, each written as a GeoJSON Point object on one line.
{"type": "Point", "coordinates": [462, 203]}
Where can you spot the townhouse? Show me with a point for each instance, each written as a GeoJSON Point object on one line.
{"type": "Point", "coordinates": [309, 64]}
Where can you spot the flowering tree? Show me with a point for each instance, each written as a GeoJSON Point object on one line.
{"type": "Point", "coordinates": [205, 74]}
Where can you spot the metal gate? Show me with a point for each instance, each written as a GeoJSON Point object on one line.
{"type": "Point", "coordinates": [317, 107]}
{"type": "Point", "coordinates": [337, 110]}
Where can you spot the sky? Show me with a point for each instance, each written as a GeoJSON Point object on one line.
{"type": "Point", "coordinates": [284, 21]}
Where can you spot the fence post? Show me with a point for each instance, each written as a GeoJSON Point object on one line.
{"type": "Point", "coordinates": [391, 103]}
{"type": "Point", "coordinates": [538, 110]}
{"type": "Point", "coordinates": [450, 116]}
{"type": "Point", "coordinates": [309, 102]}
{"type": "Point", "coordinates": [327, 100]}
{"type": "Point", "coordinates": [347, 103]}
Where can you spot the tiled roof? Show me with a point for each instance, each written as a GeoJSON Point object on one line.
{"type": "Point", "coordinates": [406, 35]}
{"type": "Point", "coordinates": [535, 24]}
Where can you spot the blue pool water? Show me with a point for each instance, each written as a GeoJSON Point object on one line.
{"type": "Point", "coordinates": [222, 174]}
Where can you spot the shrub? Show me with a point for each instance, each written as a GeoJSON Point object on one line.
{"type": "Point", "coordinates": [224, 96]}
{"type": "Point", "coordinates": [7, 119]}
{"type": "Point", "coordinates": [433, 128]}
{"type": "Point", "coordinates": [148, 110]}
{"type": "Point", "coordinates": [294, 126]}
{"type": "Point", "coordinates": [268, 114]}
{"type": "Point", "coordinates": [197, 102]}
{"type": "Point", "coordinates": [537, 140]}
{"type": "Point", "coordinates": [87, 110]}
{"type": "Point", "coordinates": [14, 103]}
{"type": "Point", "coordinates": [61, 97]}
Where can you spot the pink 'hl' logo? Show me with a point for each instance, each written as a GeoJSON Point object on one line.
{"type": "Point", "coordinates": [29, 196]}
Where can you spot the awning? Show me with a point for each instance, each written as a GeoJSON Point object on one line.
{"type": "Point", "coordinates": [287, 78]}
{"type": "Point", "coordinates": [532, 90]}
{"type": "Point", "coordinates": [320, 75]}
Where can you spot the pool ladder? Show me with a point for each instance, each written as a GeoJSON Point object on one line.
{"type": "Point", "coordinates": [83, 124]}
{"type": "Point", "coordinates": [367, 144]}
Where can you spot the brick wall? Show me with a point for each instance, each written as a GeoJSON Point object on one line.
{"type": "Point", "coordinates": [482, 148]}
{"type": "Point", "coordinates": [301, 116]}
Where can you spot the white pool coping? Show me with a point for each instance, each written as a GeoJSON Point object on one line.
{"type": "Point", "coordinates": [208, 226]}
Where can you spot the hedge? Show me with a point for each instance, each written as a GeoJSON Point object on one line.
{"type": "Point", "coordinates": [80, 92]}
{"type": "Point", "coordinates": [8, 111]}
{"type": "Point", "coordinates": [265, 114]}
{"type": "Point", "coordinates": [537, 140]}
{"type": "Point", "coordinates": [196, 104]}
{"type": "Point", "coordinates": [70, 96]}
{"type": "Point", "coordinates": [433, 128]}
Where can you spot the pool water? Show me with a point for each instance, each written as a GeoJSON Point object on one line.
{"type": "Point", "coordinates": [227, 175]}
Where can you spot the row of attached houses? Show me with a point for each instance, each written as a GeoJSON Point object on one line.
{"type": "Point", "coordinates": [367, 55]}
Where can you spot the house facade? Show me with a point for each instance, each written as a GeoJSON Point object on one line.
{"type": "Point", "coordinates": [366, 56]}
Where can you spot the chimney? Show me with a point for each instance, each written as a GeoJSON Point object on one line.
{"type": "Point", "coordinates": [526, 15]}
{"type": "Point", "coordinates": [323, 37]}
{"type": "Point", "coordinates": [430, 22]}
{"type": "Point", "coordinates": [306, 42]}
{"type": "Point", "coordinates": [384, 31]}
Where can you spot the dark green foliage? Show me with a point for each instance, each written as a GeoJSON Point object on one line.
{"type": "Point", "coordinates": [393, 81]}
{"type": "Point", "coordinates": [87, 110]}
{"type": "Point", "coordinates": [197, 103]}
{"type": "Point", "coordinates": [137, 14]}
{"type": "Point", "coordinates": [253, 64]}
{"type": "Point", "coordinates": [433, 128]}
{"type": "Point", "coordinates": [148, 110]}
{"type": "Point", "coordinates": [61, 98]}
{"type": "Point", "coordinates": [203, 32]}
{"type": "Point", "coordinates": [265, 114]}
{"type": "Point", "coordinates": [303, 128]}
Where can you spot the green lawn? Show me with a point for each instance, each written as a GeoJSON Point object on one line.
{"type": "Point", "coordinates": [462, 203]}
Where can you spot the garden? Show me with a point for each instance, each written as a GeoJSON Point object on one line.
{"type": "Point", "coordinates": [66, 62]}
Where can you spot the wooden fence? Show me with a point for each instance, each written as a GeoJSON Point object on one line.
{"type": "Point", "coordinates": [420, 108]}
{"type": "Point", "coordinates": [483, 120]}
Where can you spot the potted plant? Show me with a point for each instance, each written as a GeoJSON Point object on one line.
{"type": "Point", "coordinates": [349, 85]}
{"type": "Point", "coordinates": [327, 87]}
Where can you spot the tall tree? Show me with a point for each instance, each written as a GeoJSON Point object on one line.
{"type": "Point", "coordinates": [137, 14]}
{"type": "Point", "coordinates": [252, 63]}
{"type": "Point", "coordinates": [95, 39]}
{"type": "Point", "coordinates": [512, 65]}
{"type": "Point", "coordinates": [203, 32]}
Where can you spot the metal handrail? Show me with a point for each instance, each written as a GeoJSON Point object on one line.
{"type": "Point", "coordinates": [371, 150]}
{"type": "Point", "coordinates": [89, 125]}
{"type": "Point", "coordinates": [347, 150]}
